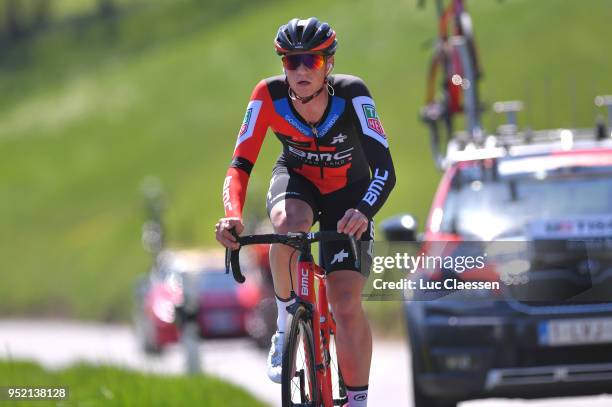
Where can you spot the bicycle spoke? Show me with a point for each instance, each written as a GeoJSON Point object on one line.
{"type": "Point", "coordinates": [301, 386]}
{"type": "Point", "coordinates": [338, 390]}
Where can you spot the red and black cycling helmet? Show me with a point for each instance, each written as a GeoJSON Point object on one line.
{"type": "Point", "coordinates": [305, 35]}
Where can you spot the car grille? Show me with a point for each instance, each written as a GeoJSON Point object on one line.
{"type": "Point", "coordinates": [565, 355]}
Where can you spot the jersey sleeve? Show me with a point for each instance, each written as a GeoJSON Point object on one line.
{"type": "Point", "coordinates": [376, 148]}
{"type": "Point", "coordinates": [248, 144]}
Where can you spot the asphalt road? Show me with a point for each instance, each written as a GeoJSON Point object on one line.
{"type": "Point", "coordinates": [56, 344]}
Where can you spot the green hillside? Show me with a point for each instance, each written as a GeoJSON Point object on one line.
{"type": "Point", "coordinates": [91, 106]}
{"type": "Point", "coordinates": [111, 386]}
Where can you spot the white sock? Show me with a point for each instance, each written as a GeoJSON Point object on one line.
{"type": "Point", "coordinates": [357, 396]}
{"type": "Point", "coordinates": [281, 319]}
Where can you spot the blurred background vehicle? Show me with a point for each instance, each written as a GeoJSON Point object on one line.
{"type": "Point", "coordinates": [191, 285]}
{"type": "Point", "coordinates": [224, 309]}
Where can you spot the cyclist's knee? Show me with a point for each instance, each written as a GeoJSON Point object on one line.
{"type": "Point", "coordinates": [290, 218]}
{"type": "Point", "coordinates": [346, 307]}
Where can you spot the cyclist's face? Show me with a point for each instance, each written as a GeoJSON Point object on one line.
{"type": "Point", "coordinates": [308, 74]}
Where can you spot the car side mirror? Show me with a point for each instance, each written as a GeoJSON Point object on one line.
{"type": "Point", "coordinates": [401, 227]}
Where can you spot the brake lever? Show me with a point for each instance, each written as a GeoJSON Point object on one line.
{"type": "Point", "coordinates": [234, 260]}
{"type": "Point", "coordinates": [355, 250]}
{"type": "Point", "coordinates": [227, 260]}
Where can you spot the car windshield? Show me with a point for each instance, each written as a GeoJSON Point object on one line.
{"type": "Point", "coordinates": [484, 206]}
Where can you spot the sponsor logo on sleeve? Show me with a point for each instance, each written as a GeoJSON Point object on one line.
{"type": "Point", "coordinates": [372, 119]}
{"type": "Point", "coordinates": [369, 120]}
{"type": "Point", "coordinates": [248, 123]}
{"type": "Point", "coordinates": [245, 122]}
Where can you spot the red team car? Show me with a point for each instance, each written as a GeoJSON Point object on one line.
{"type": "Point", "coordinates": [223, 309]}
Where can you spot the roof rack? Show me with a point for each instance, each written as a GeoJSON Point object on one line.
{"type": "Point", "coordinates": [509, 140]}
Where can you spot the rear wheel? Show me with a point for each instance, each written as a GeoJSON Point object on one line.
{"type": "Point", "coordinates": [437, 112]}
{"type": "Point", "coordinates": [298, 378]}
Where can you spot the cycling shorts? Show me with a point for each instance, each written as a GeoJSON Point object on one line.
{"type": "Point", "coordinates": [327, 209]}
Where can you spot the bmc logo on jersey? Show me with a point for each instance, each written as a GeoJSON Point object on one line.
{"type": "Point", "coordinates": [372, 119]}
{"type": "Point", "coordinates": [245, 122]}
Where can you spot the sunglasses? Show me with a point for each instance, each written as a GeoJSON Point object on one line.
{"type": "Point", "coordinates": [310, 61]}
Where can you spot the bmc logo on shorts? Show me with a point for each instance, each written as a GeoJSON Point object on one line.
{"type": "Point", "coordinates": [360, 397]}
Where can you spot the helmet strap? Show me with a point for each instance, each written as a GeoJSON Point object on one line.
{"type": "Point", "coordinates": [326, 85]}
{"type": "Point", "coordinates": [294, 96]}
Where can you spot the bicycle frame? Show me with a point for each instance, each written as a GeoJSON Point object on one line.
{"type": "Point", "coordinates": [322, 321]}
{"type": "Point", "coordinates": [453, 63]}
{"type": "Point", "coordinates": [316, 304]}
{"type": "Point", "coordinates": [456, 56]}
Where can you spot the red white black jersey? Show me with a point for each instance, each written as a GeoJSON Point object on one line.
{"type": "Point", "coordinates": [347, 145]}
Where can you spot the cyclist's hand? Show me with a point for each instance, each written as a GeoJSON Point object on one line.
{"type": "Point", "coordinates": [353, 223]}
{"type": "Point", "coordinates": [223, 234]}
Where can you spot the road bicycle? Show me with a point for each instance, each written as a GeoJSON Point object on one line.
{"type": "Point", "coordinates": [311, 374]}
{"type": "Point", "coordinates": [455, 58]}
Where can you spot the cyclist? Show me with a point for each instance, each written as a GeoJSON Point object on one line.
{"type": "Point", "coordinates": [335, 168]}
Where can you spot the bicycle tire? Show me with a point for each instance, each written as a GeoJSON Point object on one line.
{"type": "Point", "coordinates": [339, 391]}
{"type": "Point", "coordinates": [300, 335]}
{"type": "Point", "coordinates": [466, 29]}
{"type": "Point", "coordinates": [436, 112]}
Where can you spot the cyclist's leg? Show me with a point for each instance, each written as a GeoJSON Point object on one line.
{"type": "Point", "coordinates": [290, 203]}
{"type": "Point", "coordinates": [291, 207]}
{"type": "Point", "coordinates": [353, 335]}
{"type": "Point", "coordinates": [345, 284]}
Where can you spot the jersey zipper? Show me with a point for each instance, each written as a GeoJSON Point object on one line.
{"type": "Point", "coordinates": [316, 136]}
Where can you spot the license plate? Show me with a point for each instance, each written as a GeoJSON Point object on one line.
{"type": "Point", "coordinates": [564, 332]}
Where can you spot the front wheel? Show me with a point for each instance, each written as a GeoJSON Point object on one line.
{"type": "Point", "coordinates": [338, 386]}
{"type": "Point", "coordinates": [298, 378]}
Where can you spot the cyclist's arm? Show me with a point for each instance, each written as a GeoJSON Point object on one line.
{"type": "Point", "coordinates": [376, 148]}
{"type": "Point", "coordinates": [250, 138]}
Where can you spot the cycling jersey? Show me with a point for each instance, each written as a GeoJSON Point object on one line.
{"type": "Point", "coordinates": [347, 146]}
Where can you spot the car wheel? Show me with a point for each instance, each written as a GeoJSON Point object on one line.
{"type": "Point", "coordinates": [422, 400]}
